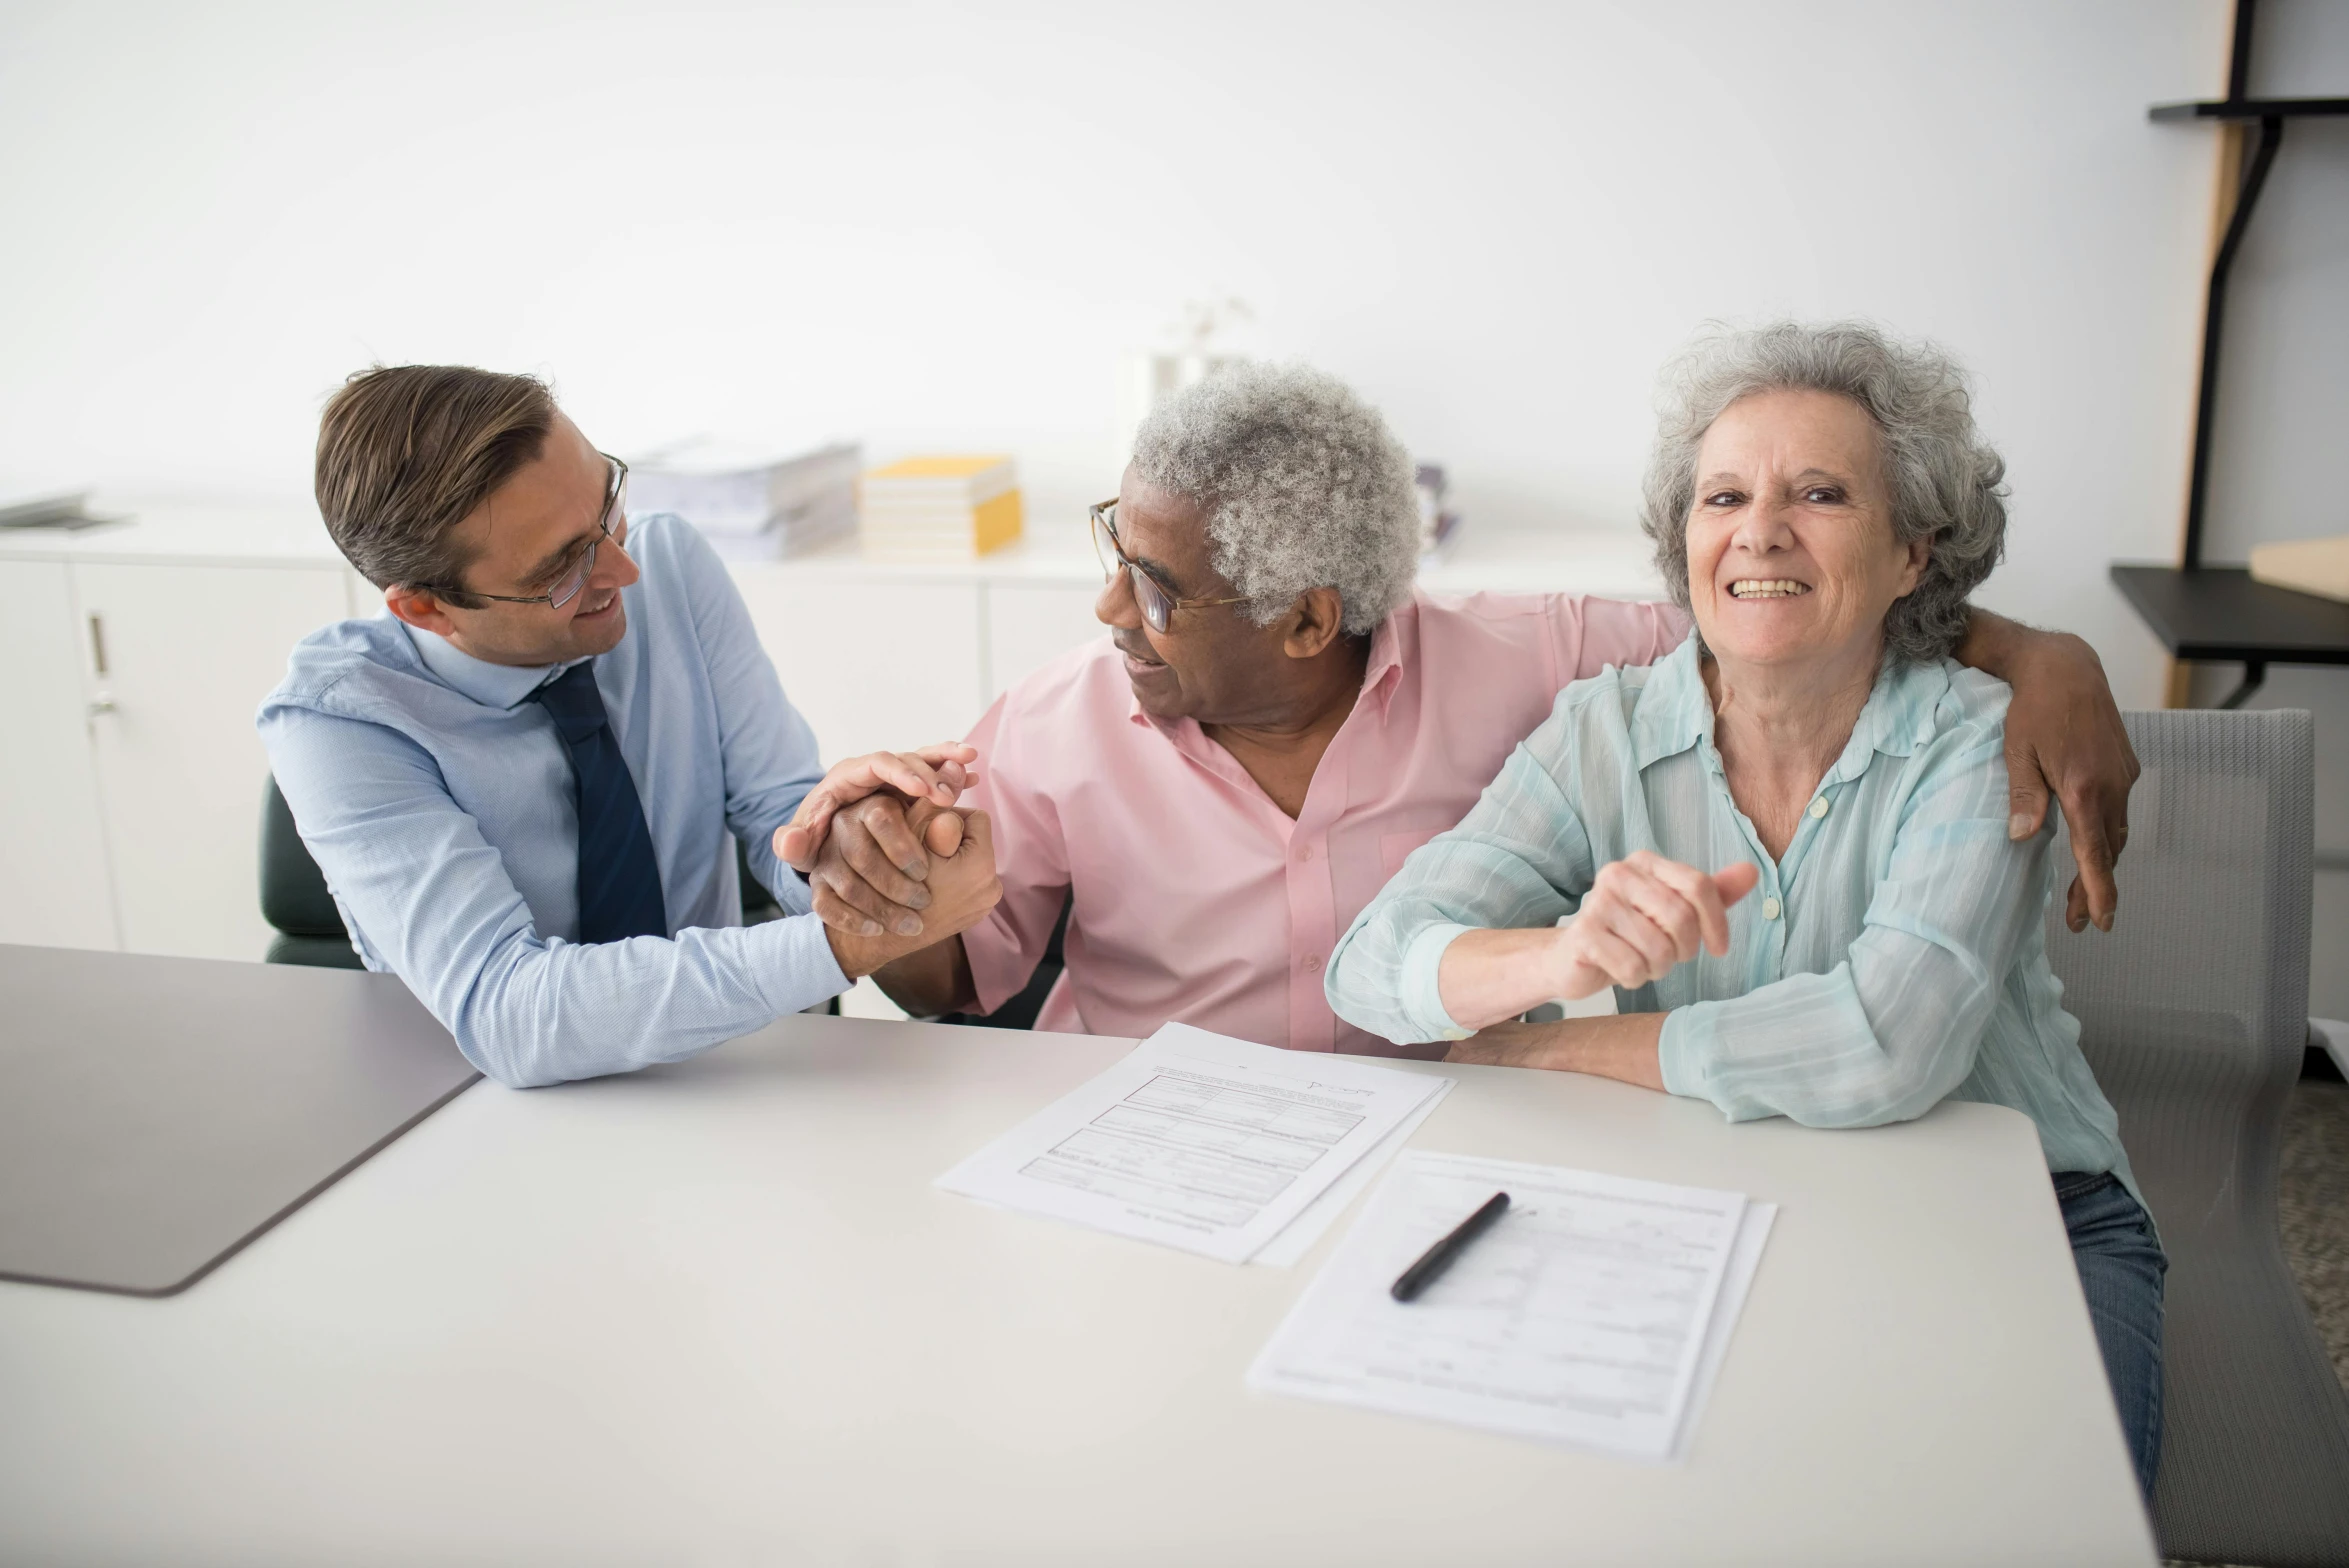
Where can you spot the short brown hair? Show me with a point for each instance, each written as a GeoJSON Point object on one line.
{"type": "Point", "coordinates": [406, 452]}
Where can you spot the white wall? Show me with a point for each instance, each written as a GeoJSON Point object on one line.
{"type": "Point", "coordinates": [943, 223]}
{"type": "Point", "coordinates": [2283, 394]}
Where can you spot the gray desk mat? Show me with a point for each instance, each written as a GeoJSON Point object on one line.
{"type": "Point", "coordinates": [158, 1114]}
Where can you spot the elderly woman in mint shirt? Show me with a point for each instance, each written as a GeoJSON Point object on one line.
{"type": "Point", "coordinates": [1785, 846]}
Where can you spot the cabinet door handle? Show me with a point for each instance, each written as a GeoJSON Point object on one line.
{"type": "Point", "coordinates": [101, 704]}
{"type": "Point", "coordinates": [98, 646]}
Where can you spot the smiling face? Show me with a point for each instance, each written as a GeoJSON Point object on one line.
{"type": "Point", "coordinates": [1211, 663]}
{"type": "Point", "coordinates": [525, 538]}
{"type": "Point", "coordinates": [1792, 561]}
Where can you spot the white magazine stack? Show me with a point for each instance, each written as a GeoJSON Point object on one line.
{"type": "Point", "coordinates": [754, 507]}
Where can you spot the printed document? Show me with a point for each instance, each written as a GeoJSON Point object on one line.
{"type": "Point", "coordinates": [1297, 1238]}
{"type": "Point", "coordinates": [1583, 1316]}
{"type": "Point", "coordinates": [1197, 1141]}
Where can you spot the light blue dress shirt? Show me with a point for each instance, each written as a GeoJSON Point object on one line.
{"type": "Point", "coordinates": [1896, 957]}
{"type": "Point", "coordinates": [438, 801]}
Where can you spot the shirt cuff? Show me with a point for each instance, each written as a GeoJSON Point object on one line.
{"type": "Point", "coordinates": [1685, 1050]}
{"type": "Point", "coordinates": [807, 971]}
{"type": "Point", "coordinates": [1423, 997]}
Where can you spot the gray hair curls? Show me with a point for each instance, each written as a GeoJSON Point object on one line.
{"type": "Point", "coordinates": [1302, 484]}
{"type": "Point", "coordinates": [1946, 481]}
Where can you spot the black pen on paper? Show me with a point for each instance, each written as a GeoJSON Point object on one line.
{"type": "Point", "coordinates": [1436, 1259]}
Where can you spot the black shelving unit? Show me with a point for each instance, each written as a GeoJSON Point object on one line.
{"type": "Point", "coordinates": [2218, 613]}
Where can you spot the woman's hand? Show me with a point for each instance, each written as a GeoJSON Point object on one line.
{"type": "Point", "coordinates": [1643, 917]}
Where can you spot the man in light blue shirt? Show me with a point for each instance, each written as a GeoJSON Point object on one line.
{"type": "Point", "coordinates": [524, 784]}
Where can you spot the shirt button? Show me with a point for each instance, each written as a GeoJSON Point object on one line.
{"type": "Point", "coordinates": [1313, 963]}
{"type": "Point", "coordinates": [1819, 807]}
{"type": "Point", "coordinates": [1304, 851]}
{"type": "Point", "coordinates": [1769, 909]}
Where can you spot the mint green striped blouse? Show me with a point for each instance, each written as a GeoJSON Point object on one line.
{"type": "Point", "coordinates": [1896, 957]}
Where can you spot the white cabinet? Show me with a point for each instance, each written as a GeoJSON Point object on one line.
{"type": "Point", "coordinates": [53, 877]}
{"type": "Point", "coordinates": [189, 652]}
{"type": "Point", "coordinates": [873, 665]}
{"type": "Point", "coordinates": [1031, 623]}
{"type": "Point", "coordinates": [136, 824]}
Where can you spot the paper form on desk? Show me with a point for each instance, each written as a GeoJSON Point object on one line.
{"type": "Point", "coordinates": [1581, 1317]}
{"type": "Point", "coordinates": [1196, 1141]}
{"type": "Point", "coordinates": [1298, 1236]}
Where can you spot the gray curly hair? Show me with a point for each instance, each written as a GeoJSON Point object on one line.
{"type": "Point", "coordinates": [1302, 483]}
{"type": "Point", "coordinates": [1947, 483]}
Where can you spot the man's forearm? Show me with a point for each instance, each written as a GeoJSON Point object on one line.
{"type": "Point", "coordinates": [1991, 643]}
{"type": "Point", "coordinates": [931, 980]}
{"type": "Point", "coordinates": [2000, 647]}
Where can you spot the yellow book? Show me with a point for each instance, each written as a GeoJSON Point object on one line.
{"type": "Point", "coordinates": [938, 467]}
{"type": "Point", "coordinates": [997, 523]}
{"type": "Point", "coordinates": [940, 508]}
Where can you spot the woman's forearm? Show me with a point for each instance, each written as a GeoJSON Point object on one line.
{"type": "Point", "coordinates": [1488, 976]}
{"type": "Point", "coordinates": [1623, 1047]}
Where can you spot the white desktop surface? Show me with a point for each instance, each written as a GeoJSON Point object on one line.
{"type": "Point", "coordinates": [715, 1313]}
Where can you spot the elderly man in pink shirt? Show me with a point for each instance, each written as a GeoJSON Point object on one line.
{"type": "Point", "coordinates": [1277, 719]}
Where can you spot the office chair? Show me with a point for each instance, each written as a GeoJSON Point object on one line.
{"type": "Point", "coordinates": [310, 929]}
{"type": "Point", "coordinates": [2194, 1014]}
{"type": "Point", "coordinates": [1021, 1011]}
{"type": "Point", "coordinates": [294, 899]}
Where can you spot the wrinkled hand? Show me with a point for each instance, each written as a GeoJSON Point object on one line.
{"type": "Point", "coordinates": [961, 886]}
{"type": "Point", "coordinates": [872, 874]}
{"type": "Point", "coordinates": [2064, 734]}
{"type": "Point", "coordinates": [1643, 916]}
{"type": "Point", "coordinates": [934, 773]}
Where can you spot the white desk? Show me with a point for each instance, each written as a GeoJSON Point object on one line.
{"type": "Point", "coordinates": [716, 1314]}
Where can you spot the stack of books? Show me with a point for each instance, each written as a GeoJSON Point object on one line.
{"type": "Point", "coordinates": [752, 507]}
{"type": "Point", "coordinates": [940, 508]}
{"type": "Point", "coordinates": [68, 511]}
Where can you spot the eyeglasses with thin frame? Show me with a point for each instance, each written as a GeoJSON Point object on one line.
{"type": "Point", "coordinates": [1158, 605]}
{"type": "Point", "coordinates": [612, 525]}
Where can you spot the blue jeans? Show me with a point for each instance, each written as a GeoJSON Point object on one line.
{"type": "Point", "coordinates": [2121, 1267]}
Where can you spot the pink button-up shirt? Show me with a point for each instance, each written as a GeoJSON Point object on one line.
{"type": "Point", "coordinates": [1195, 897]}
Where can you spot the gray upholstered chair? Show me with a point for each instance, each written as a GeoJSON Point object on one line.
{"type": "Point", "coordinates": [2194, 1013]}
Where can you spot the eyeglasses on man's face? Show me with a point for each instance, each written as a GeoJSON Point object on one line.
{"type": "Point", "coordinates": [1157, 601]}
{"type": "Point", "coordinates": [611, 524]}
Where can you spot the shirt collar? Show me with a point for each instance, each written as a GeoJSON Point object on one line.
{"type": "Point", "coordinates": [491, 685]}
{"type": "Point", "coordinates": [1675, 712]}
{"type": "Point", "coordinates": [1384, 672]}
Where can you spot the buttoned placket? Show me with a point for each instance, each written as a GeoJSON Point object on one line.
{"type": "Point", "coordinates": [1774, 894]}
{"type": "Point", "coordinates": [1308, 879]}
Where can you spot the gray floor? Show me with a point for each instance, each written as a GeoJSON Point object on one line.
{"type": "Point", "coordinates": [2313, 1198]}
{"type": "Point", "coordinates": [2315, 1208]}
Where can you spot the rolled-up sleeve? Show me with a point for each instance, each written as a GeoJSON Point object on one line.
{"type": "Point", "coordinates": [1885, 1035]}
{"type": "Point", "coordinates": [1594, 635]}
{"type": "Point", "coordinates": [1519, 858]}
{"type": "Point", "coordinates": [1031, 856]}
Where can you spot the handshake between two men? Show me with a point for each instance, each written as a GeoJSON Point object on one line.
{"type": "Point", "coordinates": [897, 872]}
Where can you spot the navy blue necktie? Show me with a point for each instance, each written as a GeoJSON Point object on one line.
{"type": "Point", "coordinates": [619, 879]}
